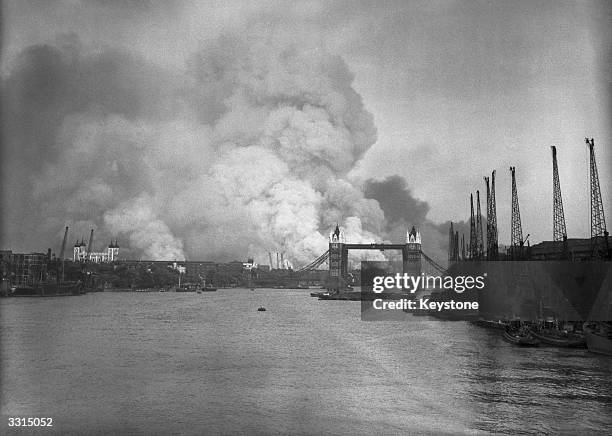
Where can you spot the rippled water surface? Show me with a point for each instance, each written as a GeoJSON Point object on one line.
{"type": "Point", "coordinates": [175, 363]}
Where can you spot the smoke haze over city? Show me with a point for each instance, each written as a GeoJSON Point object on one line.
{"type": "Point", "coordinates": [198, 131]}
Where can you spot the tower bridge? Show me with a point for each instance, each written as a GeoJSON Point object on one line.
{"type": "Point", "coordinates": [414, 260]}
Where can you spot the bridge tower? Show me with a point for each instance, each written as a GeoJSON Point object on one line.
{"type": "Point", "coordinates": [411, 254]}
{"type": "Point", "coordinates": [338, 260]}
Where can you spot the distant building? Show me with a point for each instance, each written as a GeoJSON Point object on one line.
{"type": "Point", "coordinates": [249, 265]}
{"type": "Point", "coordinates": [234, 267]}
{"type": "Point", "coordinates": [199, 270]}
{"type": "Point", "coordinates": [182, 269]}
{"type": "Point", "coordinates": [6, 260]}
{"type": "Point", "coordinates": [110, 255]}
{"type": "Point", "coordinates": [29, 268]}
{"type": "Point", "coordinates": [577, 249]}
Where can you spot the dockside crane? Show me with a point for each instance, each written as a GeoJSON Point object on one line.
{"type": "Point", "coordinates": [450, 243]}
{"type": "Point", "coordinates": [473, 242]}
{"type": "Point", "coordinates": [452, 246]}
{"type": "Point", "coordinates": [486, 179]}
{"type": "Point", "coordinates": [479, 235]}
{"type": "Point", "coordinates": [494, 232]}
{"type": "Point", "coordinates": [456, 253]}
{"type": "Point", "coordinates": [559, 230]}
{"type": "Point", "coordinates": [491, 218]}
{"type": "Point", "coordinates": [598, 221]}
{"type": "Point", "coordinates": [516, 239]}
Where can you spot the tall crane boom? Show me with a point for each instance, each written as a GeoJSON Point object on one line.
{"type": "Point", "coordinates": [598, 221]}
{"type": "Point", "coordinates": [559, 231]}
{"type": "Point", "coordinates": [492, 239]}
{"type": "Point", "coordinates": [473, 242]}
{"type": "Point", "coordinates": [491, 219]}
{"type": "Point", "coordinates": [486, 179]}
{"type": "Point", "coordinates": [452, 245]}
{"type": "Point", "coordinates": [516, 240]}
{"type": "Point", "coordinates": [456, 246]}
{"type": "Point", "coordinates": [479, 235]}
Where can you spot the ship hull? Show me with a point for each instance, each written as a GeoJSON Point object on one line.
{"type": "Point", "coordinates": [598, 338]}
{"type": "Point", "coordinates": [599, 344]}
{"type": "Point", "coordinates": [575, 342]}
{"type": "Point", "coordinates": [49, 290]}
{"type": "Point", "coordinates": [521, 341]}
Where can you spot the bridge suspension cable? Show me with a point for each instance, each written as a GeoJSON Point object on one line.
{"type": "Point", "coordinates": [433, 263]}
{"type": "Point", "coordinates": [315, 263]}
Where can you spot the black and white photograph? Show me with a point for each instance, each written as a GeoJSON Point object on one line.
{"type": "Point", "coordinates": [322, 217]}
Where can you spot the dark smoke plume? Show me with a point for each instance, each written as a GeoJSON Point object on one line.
{"type": "Point", "coordinates": [245, 151]}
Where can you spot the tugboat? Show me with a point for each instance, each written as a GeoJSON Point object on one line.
{"type": "Point", "coordinates": [490, 324]}
{"type": "Point", "coordinates": [208, 287]}
{"type": "Point", "coordinates": [518, 334]}
{"type": "Point", "coordinates": [183, 288]}
{"type": "Point", "coordinates": [599, 337]}
{"type": "Point", "coordinates": [550, 334]}
{"type": "Point", "coordinates": [48, 289]}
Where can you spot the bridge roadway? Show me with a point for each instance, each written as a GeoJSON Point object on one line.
{"type": "Point", "coordinates": [375, 246]}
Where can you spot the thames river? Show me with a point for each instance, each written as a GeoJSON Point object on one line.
{"type": "Point", "coordinates": [210, 363]}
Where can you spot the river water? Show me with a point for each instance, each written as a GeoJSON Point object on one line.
{"type": "Point", "coordinates": [210, 363]}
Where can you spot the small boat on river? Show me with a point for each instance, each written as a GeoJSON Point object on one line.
{"type": "Point", "coordinates": [520, 335]}
{"type": "Point", "coordinates": [557, 339]}
{"type": "Point", "coordinates": [555, 334]}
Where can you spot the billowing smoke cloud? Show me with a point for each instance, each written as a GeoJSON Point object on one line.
{"type": "Point", "coordinates": [402, 210]}
{"type": "Point", "coordinates": [397, 202]}
{"type": "Point", "coordinates": [246, 151]}
{"type": "Point", "coordinates": [146, 232]}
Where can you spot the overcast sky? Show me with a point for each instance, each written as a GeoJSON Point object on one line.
{"type": "Point", "coordinates": [456, 88]}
